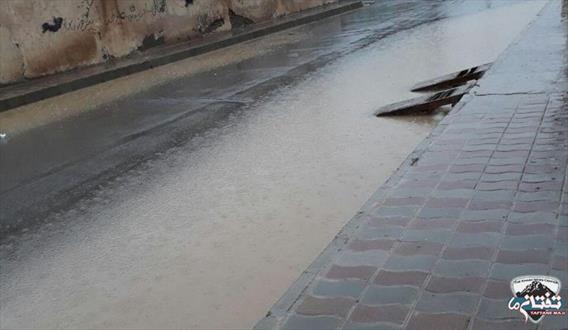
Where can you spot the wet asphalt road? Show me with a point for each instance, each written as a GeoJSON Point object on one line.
{"type": "Point", "coordinates": [53, 166]}
{"type": "Point", "coordinates": [169, 206]}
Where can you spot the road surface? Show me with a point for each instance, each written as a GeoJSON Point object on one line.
{"type": "Point", "coordinates": [193, 195]}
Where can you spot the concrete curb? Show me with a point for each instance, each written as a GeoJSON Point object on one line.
{"type": "Point", "coordinates": [13, 96]}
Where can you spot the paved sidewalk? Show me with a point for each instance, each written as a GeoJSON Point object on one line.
{"type": "Point", "coordinates": [481, 201]}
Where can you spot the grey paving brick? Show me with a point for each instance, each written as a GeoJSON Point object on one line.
{"type": "Point", "coordinates": [313, 306]}
{"type": "Point", "coordinates": [500, 177]}
{"type": "Point", "coordinates": [484, 214]}
{"type": "Point", "coordinates": [438, 321]}
{"type": "Point", "coordinates": [297, 322]}
{"type": "Point", "coordinates": [385, 232]}
{"type": "Point", "coordinates": [461, 193]}
{"type": "Point", "coordinates": [527, 242]}
{"type": "Point", "coordinates": [496, 309]}
{"type": "Point", "coordinates": [508, 161]}
{"type": "Point", "coordinates": [507, 272]}
{"type": "Point", "coordinates": [370, 258]}
{"type": "Point", "coordinates": [396, 211]}
{"type": "Point", "coordinates": [433, 235]}
{"type": "Point", "coordinates": [534, 217]}
{"type": "Point", "coordinates": [554, 322]}
{"type": "Point", "coordinates": [410, 192]}
{"type": "Point", "coordinates": [382, 295]}
{"type": "Point", "coordinates": [392, 314]}
{"type": "Point", "coordinates": [430, 212]}
{"type": "Point", "coordinates": [465, 268]}
{"type": "Point", "coordinates": [499, 195]}
{"type": "Point", "coordinates": [472, 240]}
{"type": "Point", "coordinates": [371, 326]}
{"type": "Point", "coordinates": [418, 262]}
{"type": "Point", "coordinates": [561, 248]}
{"type": "Point", "coordinates": [447, 303]}
{"type": "Point", "coordinates": [538, 196]}
{"type": "Point", "coordinates": [341, 288]}
{"type": "Point", "coordinates": [562, 275]}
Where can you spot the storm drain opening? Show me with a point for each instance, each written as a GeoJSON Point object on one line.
{"type": "Point", "coordinates": [452, 80]}
{"type": "Point", "coordinates": [447, 90]}
{"type": "Point", "coordinates": [427, 103]}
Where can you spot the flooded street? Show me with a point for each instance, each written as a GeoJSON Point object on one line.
{"type": "Point", "coordinates": [212, 231]}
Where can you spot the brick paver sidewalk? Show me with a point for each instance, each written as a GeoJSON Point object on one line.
{"type": "Point", "coordinates": [483, 200]}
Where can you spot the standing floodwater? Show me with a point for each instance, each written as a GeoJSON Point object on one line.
{"type": "Point", "coordinates": [211, 233]}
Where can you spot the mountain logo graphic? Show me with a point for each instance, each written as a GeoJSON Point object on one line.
{"type": "Point", "coordinates": [535, 296]}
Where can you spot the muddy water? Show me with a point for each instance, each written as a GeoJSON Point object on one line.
{"type": "Point", "coordinates": [212, 233]}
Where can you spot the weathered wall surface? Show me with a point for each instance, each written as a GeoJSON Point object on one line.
{"type": "Point", "coordinates": [41, 37]}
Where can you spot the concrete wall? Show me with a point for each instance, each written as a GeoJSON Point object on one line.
{"type": "Point", "coordinates": [41, 37]}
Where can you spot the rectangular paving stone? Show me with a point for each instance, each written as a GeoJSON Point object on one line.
{"type": "Point", "coordinates": [430, 212]}
{"type": "Point", "coordinates": [350, 325]}
{"type": "Point", "coordinates": [507, 272]}
{"type": "Point", "coordinates": [448, 302]}
{"type": "Point", "coordinates": [500, 185]}
{"type": "Point", "coordinates": [540, 186]}
{"type": "Point", "coordinates": [447, 202]}
{"type": "Point", "coordinates": [389, 221]}
{"type": "Point", "coordinates": [482, 204]}
{"type": "Point", "coordinates": [501, 169]}
{"type": "Point", "coordinates": [520, 257]}
{"type": "Point", "coordinates": [403, 211]}
{"type": "Point", "coordinates": [554, 322]}
{"type": "Point", "coordinates": [477, 215]}
{"type": "Point", "coordinates": [372, 314]}
{"type": "Point", "coordinates": [488, 177]}
{"type": "Point", "coordinates": [385, 232]}
{"type": "Point", "coordinates": [416, 248]}
{"type": "Point", "coordinates": [366, 245]}
{"type": "Point", "coordinates": [465, 268]}
{"type": "Point", "coordinates": [496, 309]}
{"type": "Point", "coordinates": [535, 206]}
{"type": "Point", "coordinates": [431, 235]}
{"type": "Point", "coordinates": [505, 196]}
{"type": "Point", "coordinates": [438, 321]}
{"type": "Point", "coordinates": [451, 192]}
{"type": "Point", "coordinates": [412, 278]}
{"type": "Point", "coordinates": [357, 272]}
{"type": "Point", "coordinates": [419, 262]}
{"type": "Point", "coordinates": [475, 239]}
{"type": "Point", "coordinates": [498, 290]}
{"type": "Point", "coordinates": [480, 226]}
{"type": "Point", "coordinates": [515, 229]}
{"type": "Point", "coordinates": [341, 288]}
{"type": "Point", "coordinates": [365, 258]}
{"type": "Point", "coordinates": [296, 322]}
{"type": "Point", "coordinates": [535, 217]}
{"type": "Point", "coordinates": [431, 223]}
{"type": "Point", "coordinates": [403, 201]}
{"type": "Point", "coordinates": [481, 252]}
{"type": "Point", "coordinates": [313, 306]}
{"type": "Point", "coordinates": [384, 295]}
{"type": "Point", "coordinates": [527, 242]}
{"type": "Point", "coordinates": [438, 284]}
{"type": "Point", "coordinates": [559, 262]}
